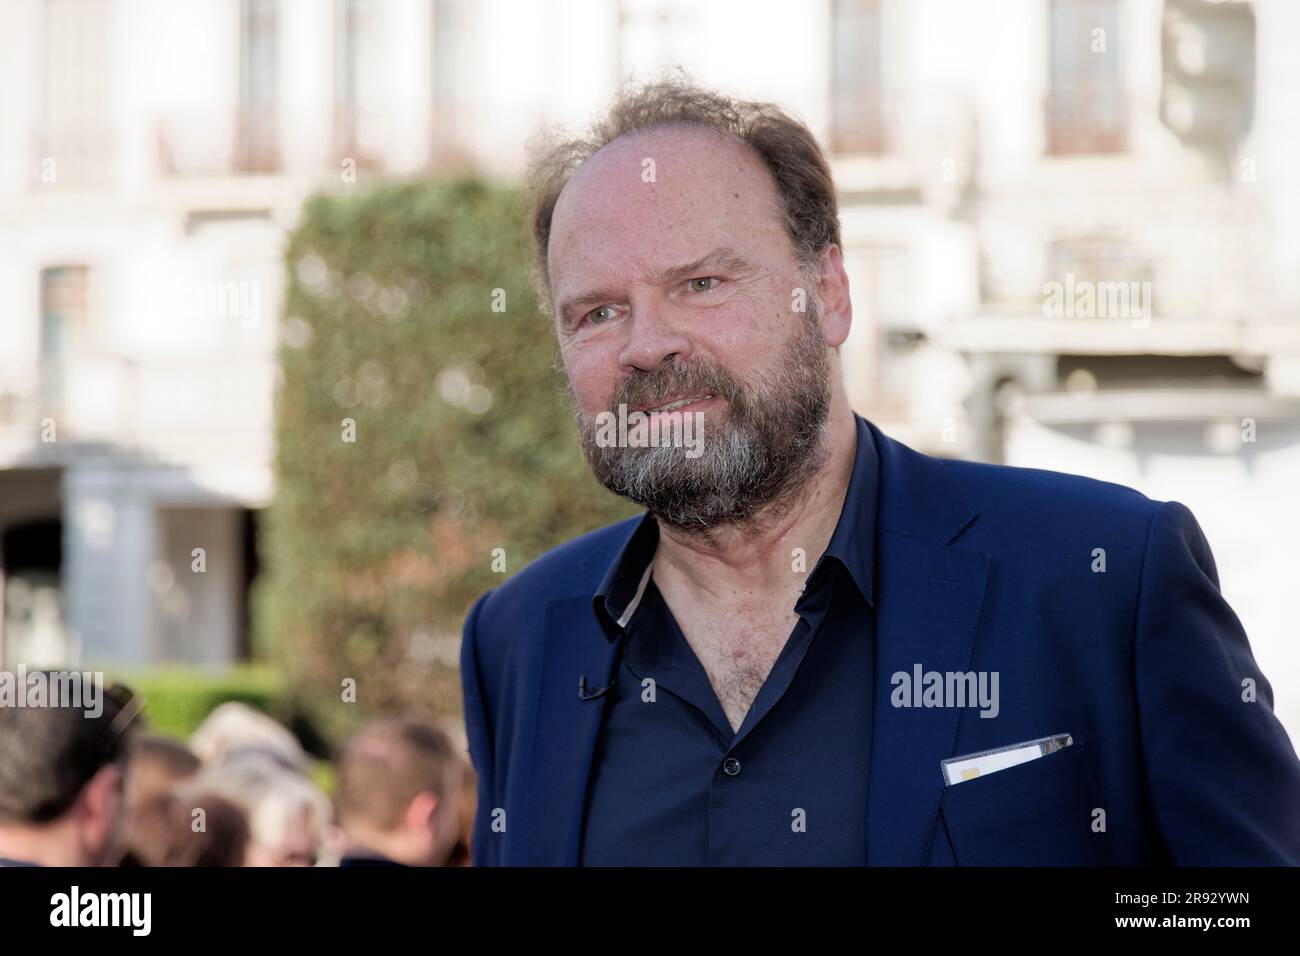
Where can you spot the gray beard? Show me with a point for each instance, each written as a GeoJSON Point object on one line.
{"type": "Point", "coordinates": [761, 454]}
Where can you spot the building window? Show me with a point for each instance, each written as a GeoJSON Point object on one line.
{"type": "Point", "coordinates": [1086, 103]}
{"type": "Point", "coordinates": [73, 142]}
{"type": "Point", "coordinates": [857, 123]}
{"type": "Point", "coordinates": [64, 309]}
{"type": "Point", "coordinates": [450, 35]}
{"type": "Point", "coordinates": [257, 132]}
{"type": "Point", "coordinates": [356, 60]}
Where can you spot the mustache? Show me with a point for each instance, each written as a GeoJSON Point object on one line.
{"type": "Point", "coordinates": [650, 388]}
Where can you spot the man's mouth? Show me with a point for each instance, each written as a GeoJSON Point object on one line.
{"type": "Point", "coordinates": [676, 403]}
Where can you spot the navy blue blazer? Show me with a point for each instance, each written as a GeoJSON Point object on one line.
{"type": "Point", "coordinates": [978, 568]}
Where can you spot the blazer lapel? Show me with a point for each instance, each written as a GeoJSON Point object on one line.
{"type": "Point", "coordinates": [566, 728]}
{"type": "Point", "coordinates": [928, 603]}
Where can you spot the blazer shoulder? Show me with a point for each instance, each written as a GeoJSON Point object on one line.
{"type": "Point", "coordinates": [1040, 498]}
{"type": "Point", "coordinates": [1040, 511]}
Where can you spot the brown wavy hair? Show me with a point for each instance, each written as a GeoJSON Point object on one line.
{"type": "Point", "coordinates": [785, 145]}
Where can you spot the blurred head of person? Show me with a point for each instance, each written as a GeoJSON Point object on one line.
{"type": "Point", "coordinates": [157, 766]}
{"type": "Point", "coordinates": [234, 726]}
{"type": "Point", "coordinates": [399, 792]}
{"type": "Point", "coordinates": [287, 814]}
{"type": "Point", "coordinates": [62, 780]}
{"type": "Point", "coordinates": [186, 827]}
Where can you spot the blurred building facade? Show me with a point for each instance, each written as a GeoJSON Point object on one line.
{"type": "Point", "coordinates": [1072, 239]}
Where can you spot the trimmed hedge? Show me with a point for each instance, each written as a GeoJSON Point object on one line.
{"type": "Point", "coordinates": [178, 699]}
{"type": "Point", "coordinates": [464, 442]}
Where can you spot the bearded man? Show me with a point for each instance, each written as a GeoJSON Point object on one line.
{"type": "Point", "coordinates": [818, 646]}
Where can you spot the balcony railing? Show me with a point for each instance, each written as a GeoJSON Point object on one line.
{"type": "Point", "coordinates": [449, 146]}
{"type": "Point", "coordinates": [235, 143]}
{"type": "Point", "coordinates": [357, 135]}
{"type": "Point", "coordinates": [858, 124]}
{"type": "Point", "coordinates": [257, 141]}
{"type": "Point", "coordinates": [1086, 119]}
{"type": "Point", "coordinates": [243, 142]}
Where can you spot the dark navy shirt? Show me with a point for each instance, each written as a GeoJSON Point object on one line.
{"type": "Point", "coordinates": [673, 785]}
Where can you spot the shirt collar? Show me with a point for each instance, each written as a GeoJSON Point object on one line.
{"type": "Point", "coordinates": [620, 593]}
{"type": "Point", "coordinates": [852, 544]}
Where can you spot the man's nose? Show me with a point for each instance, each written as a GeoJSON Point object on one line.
{"type": "Point", "coordinates": [653, 338]}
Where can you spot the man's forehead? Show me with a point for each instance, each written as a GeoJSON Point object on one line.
{"type": "Point", "coordinates": [662, 167]}
{"type": "Point", "coordinates": [649, 199]}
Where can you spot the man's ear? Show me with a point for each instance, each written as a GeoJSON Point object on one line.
{"type": "Point", "coordinates": [102, 797]}
{"type": "Point", "coordinates": [419, 813]}
{"type": "Point", "coordinates": [833, 290]}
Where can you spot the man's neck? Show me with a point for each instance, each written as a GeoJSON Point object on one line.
{"type": "Point", "coordinates": [52, 845]}
{"type": "Point", "coordinates": [757, 559]}
{"type": "Point", "coordinates": [365, 842]}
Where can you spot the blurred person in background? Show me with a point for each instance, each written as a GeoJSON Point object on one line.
{"type": "Point", "coordinates": [259, 765]}
{"type": "Point", "coordinates": [287, 813]}
{"type": "Point", "coordinates": [399, 795]}
{"type": "Point", "coordinates": [186, 827]}
{"type": "Point", "coordinates": [157, 765]}
{"type": "Point", "coordinates": [233, 726]}
{"type": "Point", "coordinates": [62, 781]}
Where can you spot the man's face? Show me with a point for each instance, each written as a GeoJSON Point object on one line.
{"type": "Point", "coordinates": [674, 278]}
{"type": "Point", "coordinates": [298, 848]}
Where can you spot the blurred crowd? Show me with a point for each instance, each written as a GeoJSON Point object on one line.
{"type": "Point", "coordinates": [80, 790]}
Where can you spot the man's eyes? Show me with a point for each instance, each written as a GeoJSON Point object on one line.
{"type": "Point", "coordinates": [595, 317]}
{"type": "Point", "coordinates": [690, 284]}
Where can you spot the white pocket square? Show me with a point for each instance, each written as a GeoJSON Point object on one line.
{"type": "Point", "coordinates": [981, 764]}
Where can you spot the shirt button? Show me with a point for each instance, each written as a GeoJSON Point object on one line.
{"type": "Point", "coordinates": [731, 766]}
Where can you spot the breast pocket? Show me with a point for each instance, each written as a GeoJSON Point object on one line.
{"type": "Point", "coordinates": [1037, 813]}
